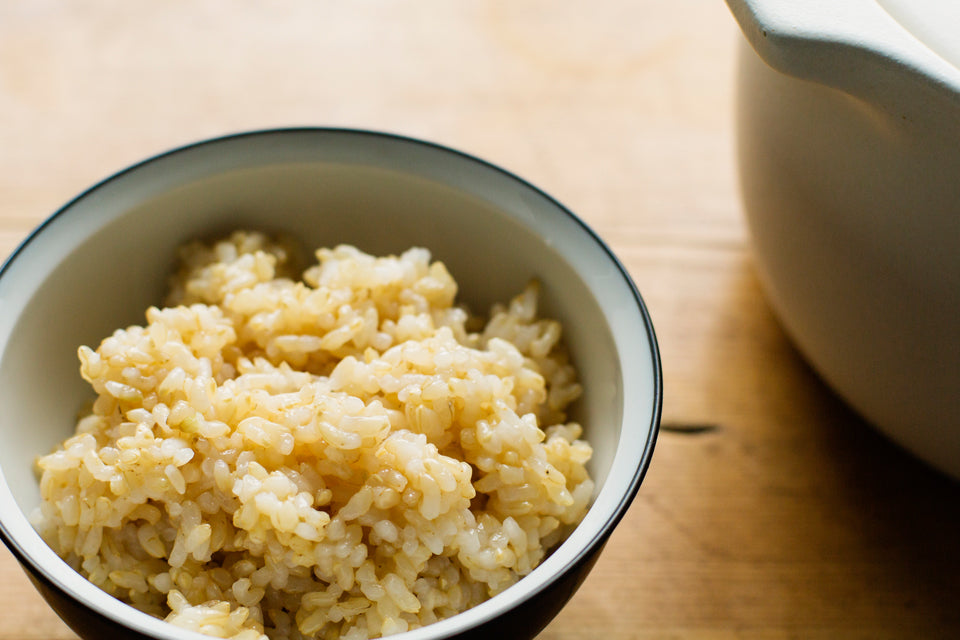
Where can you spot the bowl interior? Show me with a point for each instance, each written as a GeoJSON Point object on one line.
{"type": "Point", "coordinates": [99, 263]}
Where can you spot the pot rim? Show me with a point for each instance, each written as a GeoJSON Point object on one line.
{"type": "Point", "coordinates": [856, 46]}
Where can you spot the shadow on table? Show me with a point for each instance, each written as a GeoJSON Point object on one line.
{"type": "Point", "coordinates": [897, 520]}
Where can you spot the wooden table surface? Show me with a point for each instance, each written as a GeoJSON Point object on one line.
{"type": "Point", "coordinates": [786, 516]}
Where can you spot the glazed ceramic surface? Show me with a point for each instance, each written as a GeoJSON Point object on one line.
{"type": "Point", "coordinates": [97, 264]}
{"type": "Point", "coordinates": [849, 151]}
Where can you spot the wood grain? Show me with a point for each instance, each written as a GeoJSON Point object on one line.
{"type": "Point", "coordinates": [786, 516]}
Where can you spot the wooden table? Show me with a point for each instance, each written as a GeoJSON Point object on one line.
{"type": "Point", "coordinates": [785, 516]}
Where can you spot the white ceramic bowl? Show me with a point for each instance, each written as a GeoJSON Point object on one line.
{"type": "Point", "coordinates": [99, 262]}
{"type": "Point", "coordinates": [849, 148]}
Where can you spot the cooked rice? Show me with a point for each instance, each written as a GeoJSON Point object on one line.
{"type": "Point", "coordinates": [343, 456]}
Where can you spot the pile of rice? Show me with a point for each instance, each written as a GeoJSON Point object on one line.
{"type": "Point", "coordinates": [347, 455]}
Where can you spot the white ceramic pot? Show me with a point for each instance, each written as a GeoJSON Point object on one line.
{"type": "Point", "coordinates": [849, 151]}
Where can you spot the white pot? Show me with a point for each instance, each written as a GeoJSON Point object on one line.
{"type": "Point", "coordinates": [849, 151]}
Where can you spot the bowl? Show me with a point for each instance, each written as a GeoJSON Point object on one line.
{"type": "Point", "coordinates": [101, 260]}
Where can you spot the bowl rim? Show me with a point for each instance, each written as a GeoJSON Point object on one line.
{"type": "Point", "coordinates": [651, 430]}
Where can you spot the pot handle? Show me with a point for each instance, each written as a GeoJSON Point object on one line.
{"type": "Point", "coordinates": [851, 45]}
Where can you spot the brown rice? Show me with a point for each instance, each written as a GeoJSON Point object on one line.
{"type": "Point", "coordinates": [347, 455]}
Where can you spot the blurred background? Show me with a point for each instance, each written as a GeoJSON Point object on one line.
{"type": "Point", "coordinates": [770, 510]}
